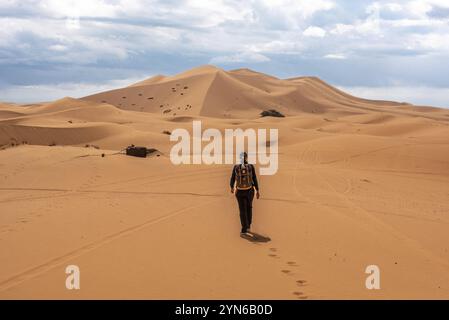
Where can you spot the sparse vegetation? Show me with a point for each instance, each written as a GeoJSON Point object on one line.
{"type": "Point", "coordinates": [13, 143]}
{"type": "Point", "coordinates": [166, 132]}
{"type": "Point", "coordinates": [271, 113]}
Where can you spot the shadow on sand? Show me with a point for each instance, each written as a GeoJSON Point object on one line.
{"type": "Point", "coordinates": [255, 237]}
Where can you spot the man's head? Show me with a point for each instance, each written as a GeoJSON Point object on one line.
{"type": "Point", "coordinates": [244, 157]}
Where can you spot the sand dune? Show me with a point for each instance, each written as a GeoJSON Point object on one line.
{"type": "Point", "coordinates": [360, 182]}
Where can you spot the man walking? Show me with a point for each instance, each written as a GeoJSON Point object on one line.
{"type": "Point", "coordinates": [243, 183]}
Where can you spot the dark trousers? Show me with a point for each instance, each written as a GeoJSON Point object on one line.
{"type": "Point", "coordinates": [245, 200]}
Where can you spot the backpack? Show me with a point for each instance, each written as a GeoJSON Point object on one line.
{"type": "Point", "coordinates": [244, 177]}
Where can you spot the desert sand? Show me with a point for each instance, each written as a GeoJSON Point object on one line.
{"type": "Point", "coordinates": [360, 183]}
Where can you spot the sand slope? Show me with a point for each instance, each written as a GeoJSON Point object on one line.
{"type": "Point", "coordinates": [359, 183]}
{"type": "Point", "coordinates": [211, 91]}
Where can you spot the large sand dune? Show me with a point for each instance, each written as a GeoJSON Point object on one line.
{"type": "Point", "coordinates": [360, 182]}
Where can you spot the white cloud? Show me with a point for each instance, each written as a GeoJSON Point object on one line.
{"type": "Point", "coordinates": [417, 23]}
{"type": "Point", "coordinates": [313, 31]}
{"type": "Point", "coordinates": [287, 43]}
{"type": "Point", "coordinates": [393, 7]}
{"type": "Point", "coordinates": [280, 35]}
{"type": "Point", "coordinates": [208, 14]}
{"type": "Point", "coordinates": [292, 9]}
{"type": "Point", "coordinates": [48, 92]}
{"type": "Point", "coordinates": [430, 42]}
{"type": "Point", "coordinates": [337, 56]}
{"type": "Point", "coordinates": [57, 47]}
{"type": "Point", "coordinates": [419, 8]}
{"type": "Point", "coordinates": [79, 8]}
{"type": "Point", "coordinates": [239, 58]}
{"type": "Point", "coordinates": [341, 28]}
{"type": "Point", "coordinates": [438, 3]}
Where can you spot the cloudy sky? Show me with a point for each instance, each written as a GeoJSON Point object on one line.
{"type": "Point", "coordinates": [377, 49]}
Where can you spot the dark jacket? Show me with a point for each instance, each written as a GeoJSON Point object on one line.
{"type": "Point", "coordinates": [253, 170]}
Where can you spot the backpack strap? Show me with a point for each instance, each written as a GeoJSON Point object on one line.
{"type": "Point", "coordinates": [250, 172]}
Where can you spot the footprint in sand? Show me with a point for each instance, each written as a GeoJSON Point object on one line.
{"type": "Point", "coordinates": [300, 295]}
{"type": "Point", "coordinates": [272, 254]}
{"type": "Point", "coordinates": [301, 282]}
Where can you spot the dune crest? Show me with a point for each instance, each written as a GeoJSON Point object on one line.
{"type": "Point", "coordinates": [241, 93]}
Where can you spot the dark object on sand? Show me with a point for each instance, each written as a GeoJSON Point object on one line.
{"type": "Point", "coordinates": [271, 113]}
{"type": "Point", "coordinates": [136, 151]}
{"type": "Point", "coordinates": [140, 152]}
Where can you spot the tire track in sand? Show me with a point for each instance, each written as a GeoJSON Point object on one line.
{"type": "Point", "coordinates": [35, 271]}
{"type": "Point", "coordinates": [370, 221]}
